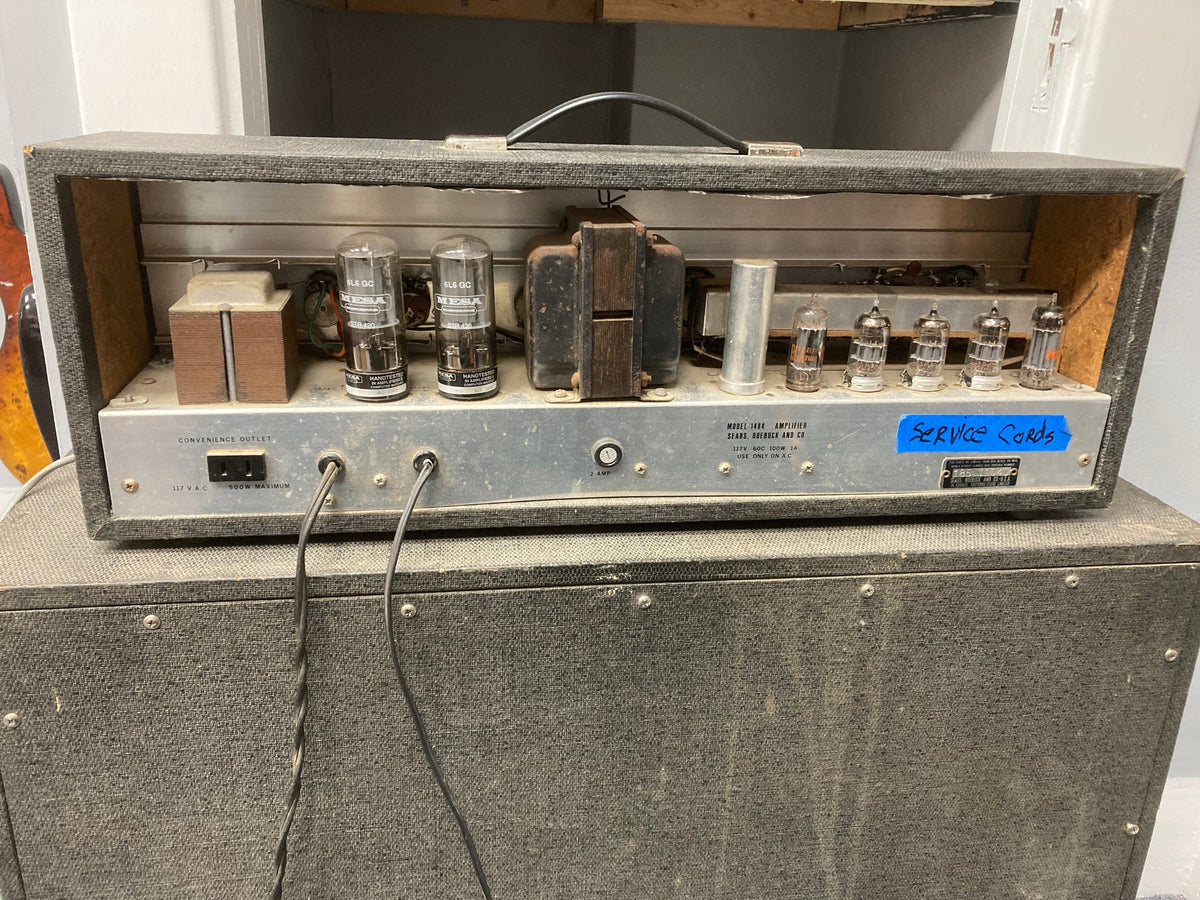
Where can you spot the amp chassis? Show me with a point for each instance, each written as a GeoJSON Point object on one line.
{"type": "Point", "coordinates": [529, 446]}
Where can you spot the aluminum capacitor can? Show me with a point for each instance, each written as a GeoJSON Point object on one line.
{"type": "Point", "coordinates": [747, 326]}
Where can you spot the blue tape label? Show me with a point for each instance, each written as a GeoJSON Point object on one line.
{"type": "Point", "coordinates": [988, 434]}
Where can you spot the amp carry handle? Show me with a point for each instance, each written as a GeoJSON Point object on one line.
{"type": "Point", "coordinates": [504, 142]}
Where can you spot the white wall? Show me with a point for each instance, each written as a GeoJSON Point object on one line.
{"type": "Point", "coordinates": [1126, 82]}
{"type": "Point", "coordinates": [765, 83]}
{"type": "Point", "coordinates": [299, 76]}
{"type": "Point", "coordinates": [430, 76]}
{"type": "Point", "coordinates": [923, 87]}
{"type": "Point", "coordinates": [769, 84]}
{"type": "Point", "coordinates": [465, 76]}
{"type": "Point", "coordinates": [936, 85]}
{"type": "Point", "coordinates": [142, 65]}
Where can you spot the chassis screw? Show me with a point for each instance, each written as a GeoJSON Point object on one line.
{"type": "Point", "coordinates": [806, 467]}
{"type": "Point", "coordinates": [1171, 655]}
{"type": "Point", "coordinates": [129, 486]}
{"type": "Point", "coordinates": [12, 720]}
{"type": "Point", "coordinates": [1085, 459]}
{"type": "Point", "coordinates": [724, 468]}
{"type": "Point", "coordinates": [639, 468]}
{"type": "Point", "coordinates": [380, 480]}
{"type": "Point", "coordinates": [408, 610]}
{"type": "Point", "coordinates": [1131, 828]}
{"type": "Point", "coordinates": [644, 601]}
{"type": "Point", "coordinates": [867, 591]}
{"type": "Point", "coordinates": [151, 622]}
{"type": "Point", "coordinates": [1071, 581]}
{"type": "Point", "coordinates": [330, 500]}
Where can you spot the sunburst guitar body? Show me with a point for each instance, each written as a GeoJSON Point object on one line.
{"type": "Point", "coordinates": [22, 449]}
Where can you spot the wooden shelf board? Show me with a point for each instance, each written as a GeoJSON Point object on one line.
{"type": "Point", "coordinates": [540, 10]}
{"type": "Point", "coordinates": [814, 14]}
{"type": "Point", "coordinates": [808, 14]}
{"type": "Point", "coordinates": [872, 12]}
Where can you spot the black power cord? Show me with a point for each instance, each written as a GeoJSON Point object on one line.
{"type": "Point", "coordinates": [300, 664]}
{"type": "Point", "coordinates": [427, 462]}
{"type": "Point", "coordinates": [524, 130]}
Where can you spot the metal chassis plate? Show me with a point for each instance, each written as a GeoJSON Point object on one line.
{"type": "Point", "coordinates": [519, 447]}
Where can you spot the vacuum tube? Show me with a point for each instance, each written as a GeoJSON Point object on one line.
{"type": "Point", "coordinates": [927, 354]}
{"type": "Point", "coordinates": [1044, 348]}
{"type": "Point", "coordinates": [985, 353]}
{"type": "Point", "coordinates": [809, 328]}
{"type": "Point", "coordinates": [376, 357]}
{"type": "Point", "coordinates": [868, 352]}
{"type": "Point", "coordinates": [464, 312]}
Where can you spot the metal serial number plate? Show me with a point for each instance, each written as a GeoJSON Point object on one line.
{"type": "Point", "coordinates": [994, 471]}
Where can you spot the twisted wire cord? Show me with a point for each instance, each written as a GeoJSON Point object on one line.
{"type": "Point", "coordinates": [409, 700]}
{"type": "Point", "coordinates": [300, 666]}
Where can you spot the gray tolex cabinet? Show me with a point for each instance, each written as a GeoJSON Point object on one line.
{"type": "Point", "coordinates": [123, 220]}
{"type": "Point", "coordinates": [930, 708]}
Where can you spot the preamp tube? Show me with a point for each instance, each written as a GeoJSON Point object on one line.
{"type": "Point", "coordinates": [464, 313]}
{"type": "Point", "coordinates": [868, 351]}
{"type": "Point", "coordinates": [376, 356]}
{"type": "Point", "coordinates": [1044, 348]}
{"type": "Point", "coordinates": [809, 328]}
{"type": "Point", "coordinates": [927, 354]}
{"type": "Point", "coordinates": [985, 352]}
